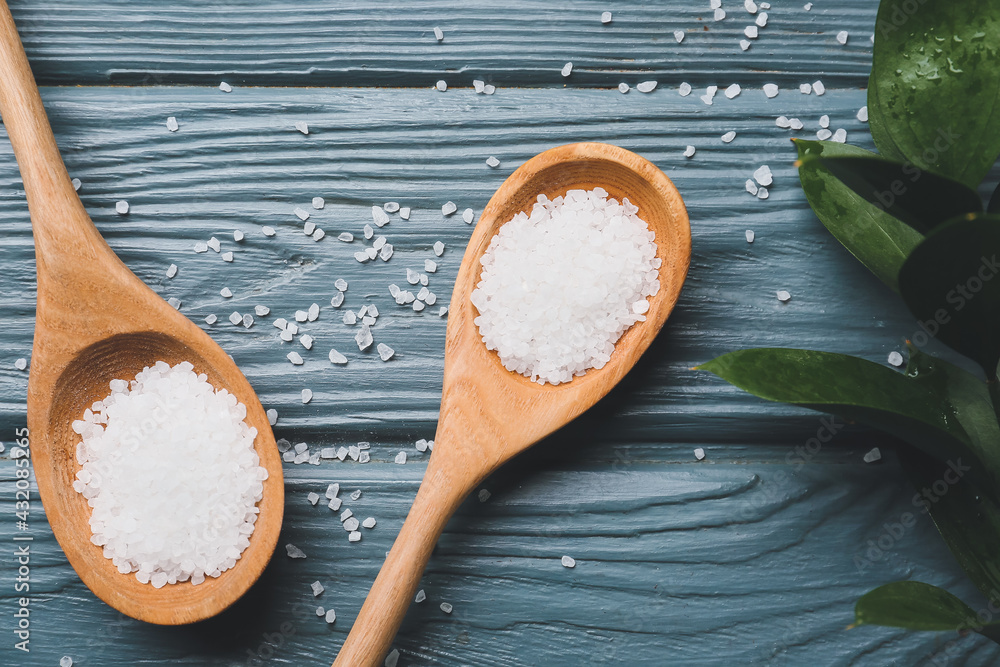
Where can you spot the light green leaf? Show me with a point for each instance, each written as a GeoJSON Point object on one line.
{"type": "Point", "coordinates": [934, 90]}
{"type": "Point", "coordinates": [878, 240]}
{"type": "Point", "coordinates": [915, 606]}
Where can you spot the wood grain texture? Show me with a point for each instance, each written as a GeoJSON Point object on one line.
{"type": "Point", "coordinates": [746, 559]}
{"type": "Point", "coordinates": [319, 43]}
{"type": "Point", "coordinates": [81, 345]}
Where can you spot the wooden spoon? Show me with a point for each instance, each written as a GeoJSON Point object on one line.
{"type": "Point", "coordinates": [489, 414]}
{"type": "Point", "coordinates": [96, 321]}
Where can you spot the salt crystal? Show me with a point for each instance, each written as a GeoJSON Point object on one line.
{"type": "Point", "coordinates": [479, 86]}
{"type": "Point", "coordinates": [346, 514]}
{"type": "Point", "coordinates": [385, 352]}
{"type": "Point", "coordinates": [379, 217]}
{"type": "Point", "coordinates": [840, 136]}
{"type": "Point", "coordinates": [261, 311]}
{"type": "Point", "coordinates": [420, 597]}
{"type": "Point", "coordinates": [335, 503]}
{"type": "Point", "coordinates": [76, 182]}
{"type": "Point", "coordinates": [302, 126]}
{"type": "Point", "coordinates": [438, 249]}
{"type": "Point", "coordinates": [320, 611]}
{"type": "Point", "coordinates": [863, 114]}
{"type": "Point", "coordinates": [430, 266]}
{"type": "Point", "coordinates": [646, 86]}
{"type": "Point", "coordinates": [689, 151]}
{"type": "Point", "coordinates": [733, 90]}
{"type": "Point", "coordinates": [369, 522]}
{"type": "Point", "coordinates": [623, 88]}
{"type": "Point", "coordinates": [699, 454]}
{"type": "Point", "coordinates": [751, 187]}
{"type": "Point", "coordinates": [121, 207]}
{"type": "Point", "coordinates": [567, 69]}
{"type": "Point", "coordinates": [807, 6]}
{"type": "Point", "coordinates": [404, 213]}
{"type": "Point", "coordinates": [211, 319]}
{"type": "Point", "coordinates": [605, 17]}
{"type": "Point", "coordinates": [21, 364]}
{"type": "Point", "coordinates": [438, 34]}
{"type": "Point", "coordinates": [679, 36]}
{"type": "Point", "coordinates": [823, 135]}
{"type": "Point", "coordinates": [318, 203]}
{"type": "Point", "coordinates": [238, 235]}
{"type": "Point", "coordinates": [720, 14]}
{"type": "Point", "coordinates": [728, 137]}
{"type": "Point", "coordinates": [309, 228]}
{"type": "Point", "coordinates": [873, 455]}
{"type": "Point", "coordinates": [392, 659]}
{"type": "Point", "coordinates": [317, 588]}
{"type": "Point", "coordinates": [301, 213]}
{"type": "Point", "coordinates": [235, 318]}
{"type": "Point", "coordinates": [684, 89]}
{"type": "Point", "coordinates": [267, 231]}
{"type": "Point", "coordinates": [795, 123]}
{"type": "Point", "coordinates": [448, 208]}
{"type": "Point", "coordinates": [171, 271]}
{"type": "Point", "coordinates": [492, 162]}
{"type": "Point", "coordinates": [744, 45]}
{"type": "Point", "coordinates": [568, 561]}
{"type": "Point", "coordinates": [247, 320]}
{"type": "Point", "coordinates": [783, 296]}
{"type": "Point", "coordinates": [762, 193]}
{"type": "Point", "coordinates": [307, 395]}
{"type": "Point", "coordinates": [763, 175]}
{"type": "Point", "coordinates": [363, 337]}
{"type": "Point", "coordinates": [272, 416]}
{"type": "Point", "coordinates": [350, 317]}
{"type": "Point", "coordinates": [214, 244]}
{"type": "Point", "coordinates": [818, 87]}
{"type": "Point", "coordinates": [227, 257]}
{"type": "Point", "coordinates": [313, 312]}
{"type": "Point", "coordinates": [468, 215]}
{"type": "Point", "coordinates": [293, 551]}
{"type": "Point", "coordinates": [368, 231]}
{"type": "Point", "coordinates": [175, 302]}
{"type": "Point", "coordinates": [750, 236]}
{"type": "Point", "coordinates": [200, 247]}
{"type": "Point", "coordinates": [824, 121]}
{"type": "Point", "coordinates": [386, 253]}
{"type": "Point", "coordinates": [895, 358]}
{"type": "Point", "coordinates": [842, 37]}
{"type": "Point", "coordinates": [400, 458]}
{"type": "Point", "coordinates": [225, 87]}
{"type": "Point", "coordinates": [805, 88]}
{"type": "Point", "coordinates": [761, 20]}
{"type": "Point", "coordinates": [483, 495]}
{"type": "Point", "coordinates": [441, 85]}
{"type": "Point", "coordinates": [750, 6]}
{"type": "Point", "coordinates": [330, 616]}
{"type": "Point", "coordinates": [355, 494]}
{"type": "Point", "coordinates": [446, 608]}
{"type": "Point", "coordinates": [750, 31]}
{"type": "Point", "coordinates": [312, 497]}
{"type": "Point", "coordinates": [172, 124]}
{"type": "Point", "coordinates": [295, 358]}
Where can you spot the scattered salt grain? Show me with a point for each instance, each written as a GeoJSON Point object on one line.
{"type": "Point", "coordinates": [750, 236]}
{"type": "Point", "coordinates": [840, 136]}
{"type": "Point", "coordinates": [295, 358]}
{"type": "Point", "coordinates": [351, 525]}
{"type": "Point", "coordinates": [750, 6]}
{"type": "Point", "coordinates": [751, 187]}
{"type": "Point", "coordinates": [385, 352]}
{"type": "Point", "coordinates": [76, 183]}
{"type": "Point", "coordinates": [483, 495]}
{"type": "Point", "coordinates": [823, 134]}
{"type": "Point", "coordinates": [567, 69]}
{"type": "Point", "coordinates": [568, 561]}
{"type": "Point", "coordinates": [863, 114]}
{"type": "Point", "coordinates": [807, 6]}
{"type": "Point", "coordinates": [762, 193]}
{"type": "Point", "coordinates": [211, 319]}
{"type": "Point", "coordinates": [238, 235]}
{"type": "Point", "coordinates": [121, 207]}
{"type": "Point", "coordinates": [267, 231]}
{"type": "Point", "coordinates": [392, 659]}
{"type": "Point", "coordinates": [312, 497]}
{"type": "Point", "coordinates": [689, 151]}
{"type": "Point", "coordinates": [449, 208]}
{"type": "Point", "coordinates": [363, 337]}
{"type": "Point", "coordinates": [805, 88]}
{"type": "Point", "coordinates": [446, 608]}
{"type": "Point", "coordinates": [441, 85]}
{"type": "Point", "coordinates": [468, 215]}
{"type": "Point", "coordinates": [824, 121]}
{"type": "Point", "coordinates": [606, 17]}
{"type": "Point", "coordinates": [171, 271]}
{"type": "Point", "coordinates": [175, 302]}
{"type": "Point", "coordinates": [272, 416]}
{"type": "Point", "coordinates": [301, 213]}
{"type": "Point", "coordinates": [307, 395]}
{"type": "Point", "coordinates": [404, 213]}
{"type": "Point", "coordinates": [617, 259]}
{"type": "Point", "coordinates": [420, 597]}
{"type": "Point", "coordinates": [728, 137]}
{"type": "Point", "coordinates": [795, 123]}
{"type": "Point", "coordinates": [355, 494]}
{"type": "Point", "coordinates": [895, 358]}
{"type": "Point", "coordinates": [65, 661]}
{"type": "Point", "coordinates": [236, 318]}
{"type": "Point", "coordinates": [763, 175]}
{"type": "Point", "coordinates": [720, 14]}
{"type": "Point", "coordinates": [317, 588]}
{"type": "Point", "coordinates": [438, 34]}
{"type": "Point", "coordinates": [430, 266]}
{"type": "Point", "coordinates": [783, 296]}
{"type": "Point", "coordinates": [318, 203]}
{"type": "Point", "coordinates": [873, 455]}
{"type": "Point", "coordinates": [646, 86]}
{"type": "Point", "coordinates": [492, 162]}
{"type": "Point", "coordinates": [261, 311]}
{"type": "Point", "coordinates": [750, 31]}
{"type": "Point", "coordinates": [684, 89]}
{"type": "Point", "coordinates": [227, 257]}
{"type": "Point", "coordinates": [400, 458]}
{"type": "Point", "coordinates": [744, 45]}
{"type": "Point", "coordinates": [247, 320]}
{"type": "Point", "coordinates": [679, 35]}
{"type": "Point", "coordinates": [346, 237]}
{"type": "Point", "coordinates": [335, 503]}
{"type": "Point", "coordinates": [172, 124]}
{"type": "Point", "coordinates": [733, 90]}
{"type": "Point", "coordinates": [330, 616]}
{"type": "Point", "coordinates": [309, 228]}
{"type": "Point", "coordinates": [302, 126]}
{"type": "Point", "coordinates": [709, 95]}
{"type": "Point", "coordinates": [842, 37]}
{"type": "Point", "coordinates": [369, 522]}
{"type": "Point", "coordinates": [761, 20]}
{"type": "Point", "coordinates": [623, 88]}
{"type": "Point", "coordinates": [818, 87]}
{"type": "Point", "coordinates": [21, 364]}
{"type": "Point", "coordinates": [699, 454]}
{"type": "Point", "coordinates": [320, 611]}
{"type": "Point", "coordinates": [225, 87]}
{"type": "Point", "coordinates": [438, 248]}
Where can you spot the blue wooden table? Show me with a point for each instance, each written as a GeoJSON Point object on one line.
{"type": "Point", "coordinates": [753, 556]}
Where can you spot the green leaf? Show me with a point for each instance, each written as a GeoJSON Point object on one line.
{"type": "Point", "coordinates": [919, 198]}
{"type": "Point", "coordinates": [939, 409]}
{"type": "Point", "coordinates": [950, 284]}
{"type": "Point", "coordinates": [855, 389]}
{"type": "Point", "coordinates": [915, 606]}
{"type": "Point", "coordinates": [935, 84]}
{"type": "Point", "coordinates": [994, 205]}
{"type": "Point", "coordinates": [878, 240]}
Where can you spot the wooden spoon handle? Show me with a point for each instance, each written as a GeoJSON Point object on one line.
{"type": "Point", "coordinates": [390, 596]}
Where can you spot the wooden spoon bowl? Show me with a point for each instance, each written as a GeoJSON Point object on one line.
{"type": "Point", "coordinates": [489, 414]}
{"type": "Point", "coordinates": [95, 322]}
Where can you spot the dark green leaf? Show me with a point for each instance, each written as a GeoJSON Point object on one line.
{"type": "Point", "coordinates": [950, 284]}
{"type": "Point", "coordinates": [994, 206]}
{"type": "Point", "coordinates": [878, 240]}
{"type": "Point", "coordinates": [852, 388]}
{"type": "Point", "coordinates": [915, 606]}
{"type": "Point", "coordinates": [934, 86]}
{"type": "Point", "coordinates": [919, 198]}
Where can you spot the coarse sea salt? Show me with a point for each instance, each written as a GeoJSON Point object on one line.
{"type": "Point", "coordinates": [552, 315]}
{"type": "Point", "coordinates": [176, 502]}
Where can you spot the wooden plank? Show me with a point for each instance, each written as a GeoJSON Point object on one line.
{"type": "Point", "coordinates": [748, 559]}
{"type": "Point", "coordinates": [391, 43]}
